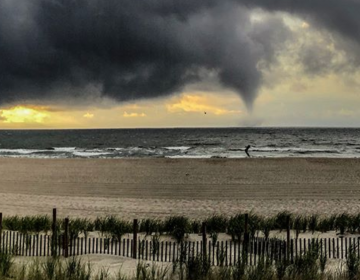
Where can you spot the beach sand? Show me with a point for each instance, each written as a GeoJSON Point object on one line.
{"type": "Point", "coordinates": [141, 188]}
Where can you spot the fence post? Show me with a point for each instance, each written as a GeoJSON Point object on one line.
{"type": "Point", "coordinates": [1, 226]}
{"type": "Point", "coordinates": [204, 244]}
{"type": "Point", "coordinates": [246, 229]}
{"type": "Point", "coordinates": [288, 237]}
{"type": "Point", "coordinates": [204, 240]}
{"type": "Point", "coordinates": [66, 240]}
{"type": "Point", "coordinates": [135, 232]}
{"type": "Point", "coordinates": [246, 237]}
{"type": "Point", "coordinates": [54, 234]}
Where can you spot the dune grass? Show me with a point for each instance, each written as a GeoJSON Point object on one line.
{"type": "Point", "coordinates": [180, 226]}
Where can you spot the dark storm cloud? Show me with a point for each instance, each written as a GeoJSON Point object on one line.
{"type": "Point", "coordinates": [55, 50]}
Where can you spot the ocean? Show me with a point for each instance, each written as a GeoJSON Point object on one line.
{"type": "Point", "coordinates": [181, 143]}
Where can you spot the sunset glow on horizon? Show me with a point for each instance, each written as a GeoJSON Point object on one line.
{"type": "Point", "coordinates": [162, 113]}
{"type": "Point", "coordinates": [23, 114]}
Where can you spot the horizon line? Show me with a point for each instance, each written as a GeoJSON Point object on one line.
{"type": "Point", "coordinates": [189, 127]}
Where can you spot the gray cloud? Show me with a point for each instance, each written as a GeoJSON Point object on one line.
{"type": "Point", "coordinates": [55, 50]}
{"type": "Point", "coordinates": [340, 16]}
{"type": "Point", "coordinates": [316, 59]}
{"type": "Point", "coordinates": [339, 21]}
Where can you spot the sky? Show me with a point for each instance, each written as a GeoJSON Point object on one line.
{"type": "Point", "coordinates": [165, 63]}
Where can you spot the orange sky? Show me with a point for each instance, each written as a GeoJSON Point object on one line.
{"type": "Point", "coordinates": [188, 109]}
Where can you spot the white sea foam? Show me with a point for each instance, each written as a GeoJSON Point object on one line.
{"type": "Point", "coordinates": [190, 156]}
{"type": "Point", "coordinates": [292, 150]}
{"type": "Point", "coordinates": [90, 153]}
{"type": "Point", "coordinates": [20, 151]}
{"type": "Point", "coordinates": [180, 148]}
{"type": "Point", "coordinates": [64, 149]}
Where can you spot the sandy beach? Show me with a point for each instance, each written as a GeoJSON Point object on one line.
{"type": "Point", "coordinates": [139, 188]}
{"type": "Point", "coordinates": [198, 188]}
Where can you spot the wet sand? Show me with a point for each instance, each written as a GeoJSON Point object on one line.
{"type": "Point", "coordinates": [139, 188]}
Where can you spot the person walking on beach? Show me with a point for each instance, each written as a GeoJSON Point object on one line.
{"type": "Point", "coordinates": [247, 149]}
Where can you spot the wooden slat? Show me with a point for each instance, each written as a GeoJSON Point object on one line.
{"type": "Point", "coordinates": [40, 244]}
{"type": "Point", "coordinates": [97, 245]}
{"type": "Point", "coordinates": [161, 250]}
{"type": "Point", "coordinates": [7, 242]}
{"type": "Point", "coordinates": [346, 247]}
{"type": "Point", "coordinates": [174, 251]}
{"type": "Point", "coordinates": [230, 253]}
{"type": "Point", "coordinates": [212, 249]}
{"type": "Point", "coordinates": [101, 246]}
{"type": "Point", "coordinates": [13, 243]}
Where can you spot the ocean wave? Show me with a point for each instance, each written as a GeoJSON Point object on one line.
{"type": "Point", "coordinates": [20, 151]}
{"type": "Point", "coordinates": [177, 152]}
{"type": "Point", "coordinates": [317, 152]}
{"type": "Point", "coordinates": [190, 156]}
{"type": "Point", "coordinates": [181, 148]}
{"type": "Point", "coordinates": [206, 144]}
{"type": "Point", "coordinates": [64, 149]}
{"type": "Point", "coordinates": [293, 150]}
{"type": "Point", "coordinates": [90, 153]}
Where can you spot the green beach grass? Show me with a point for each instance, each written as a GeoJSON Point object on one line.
{"type": "Point", "coordinates": [179, 226]}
